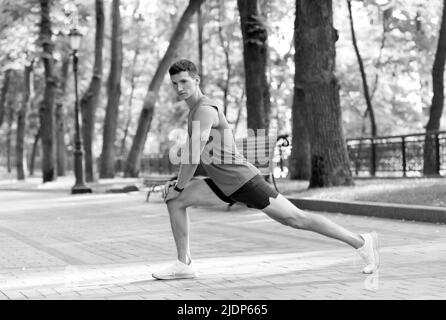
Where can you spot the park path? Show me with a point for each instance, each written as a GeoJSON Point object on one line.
{"type": "Point", "coordinates": [105, 246]}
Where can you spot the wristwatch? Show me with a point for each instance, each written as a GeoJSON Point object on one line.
{"type": "Point", "coordinates": [178, 189]}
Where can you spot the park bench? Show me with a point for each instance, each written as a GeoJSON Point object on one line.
{"type": "Point", "coordinates": [156, 183]}
{"type": "Point", "coordinates": [259, 151]}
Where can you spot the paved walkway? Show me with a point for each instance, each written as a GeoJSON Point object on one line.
{"type": "Point", "coordinates": [105, 246]}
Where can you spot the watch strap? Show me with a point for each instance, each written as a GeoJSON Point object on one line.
{"type": "Point", "coordinates": [178, 189]}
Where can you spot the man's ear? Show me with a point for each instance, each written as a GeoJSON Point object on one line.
{"type": "Point", "coordinates": [198, 79]}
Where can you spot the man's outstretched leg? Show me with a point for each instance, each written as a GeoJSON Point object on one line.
{"type": "Point", "coordinates": [283, 211]}
{"type": "Point", "coordinates": [196, 193]}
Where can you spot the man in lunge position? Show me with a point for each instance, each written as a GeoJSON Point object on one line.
{"type": "Point", "coordinates": [232, 180]}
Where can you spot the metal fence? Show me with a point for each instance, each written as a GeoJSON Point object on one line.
{"type": "Point", "coordinates": [395, 155]}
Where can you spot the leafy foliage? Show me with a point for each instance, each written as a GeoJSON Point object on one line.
{"type": "Point", "coordinates": [397, 40]}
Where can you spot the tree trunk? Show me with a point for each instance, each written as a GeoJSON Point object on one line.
{"type": "Point", "coordinates": [133, 77]}
{"type": "Point", "coordinates": [108, 155]}
{"type": "Point", "coordinates": [225, 44]}
{"type": "Point", "coordinates": [255, 53]}
{"type": "Point", "coordinates": [60, 119]}
{"type": "Point", "coordinates": [90, 99]}
{"type": "Point", "coordinates": [363, 75]}
{"type": "Point", "coordinates": [60, 139]}
{"type": "Point", "coordinates": [3, 94]}
{"type": "Point", "coordinates": [386, 14]}
{"type": "Point", "coordinates": [300, 167]}
{"type": "Point", "coordinates": [33, 152]}
{"type": "Point", "coordinates": [200, 25]}
{"type": "Point", "coordinates": [436, 110]}
{"type": "Point", "coordinates": [422, 36]}
{"type": "Point", "coordinates": [239, 111]}
{"type": "Point", "coordinates": [11, 108]}
{"type": "Point", "coordinates": [145, 119]}
{"type": "Point", "coordinates": [123, 150]}
{"type": "Point", "coordinates": [21, 122]}
{"type": "Point", "coordinates": [10, 119]}
{"type": "Point", "coordinates": [315, 49]}
{"type": "Point", "coordinates": [46, 112]}
{"type": "Point", "coordinates": [129, 113]}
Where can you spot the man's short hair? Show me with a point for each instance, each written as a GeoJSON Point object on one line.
{"type": "Point", "coordinates": [184, 65]}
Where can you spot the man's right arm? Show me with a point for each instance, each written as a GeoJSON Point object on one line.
{"type": "Point", "coordinates": [201, 128]}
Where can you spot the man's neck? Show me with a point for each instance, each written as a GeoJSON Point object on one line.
{"type": "Point", "coordinates": [194, 99]}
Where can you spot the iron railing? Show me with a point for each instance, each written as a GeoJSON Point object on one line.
{"type": "Point", "coordinates": [401, 155]}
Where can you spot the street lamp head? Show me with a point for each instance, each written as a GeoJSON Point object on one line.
{"type": "Point", "coordinates": [75, 39]}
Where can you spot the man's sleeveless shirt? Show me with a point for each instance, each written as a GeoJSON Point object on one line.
{"type": "Point", "coordinates": [221, 159]}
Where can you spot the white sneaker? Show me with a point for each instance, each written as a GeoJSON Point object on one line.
{"type": "Point", "coordinates": [369, 252]}
{"type": "Point", "coordinates": [178, 270]}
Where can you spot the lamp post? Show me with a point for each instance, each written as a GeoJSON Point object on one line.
{"type": "Point", "coordinates": [79, 187]}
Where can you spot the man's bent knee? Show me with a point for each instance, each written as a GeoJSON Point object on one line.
{"type": "Point", "coordinates": [176, 203]}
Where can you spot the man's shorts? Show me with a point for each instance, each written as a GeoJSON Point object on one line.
{"type": "Point", "coordinates": [255, 193]}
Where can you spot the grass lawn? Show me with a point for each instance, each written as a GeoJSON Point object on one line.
{"type": "Point", "coordinates": [411, 191]}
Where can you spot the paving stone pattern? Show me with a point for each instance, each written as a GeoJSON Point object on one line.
{"type": "Point", "coordinates": [105, 246]}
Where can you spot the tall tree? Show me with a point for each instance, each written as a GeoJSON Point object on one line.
{"type": "Point", "coordinates": [34, 152]}
{"type": "Point", "coordinates": [46, 112]}
{"type": "Point", "coordinates": [3, 94]}
{"type": "Point", "coordinates": [386, 14]}
{"type": "Point", "coordinates": [239, 111]}
{"type": "Point", "coordinates": [315, 39]}
{"type": "Point", "coordinates": [436, 110]}
{"type": "Point", "coordinates": [107, 169]}
{"type": "Point", "coordinates": [365, 86]}
{"type": "Point", "coordinates": [300, 152]}
{"type": "Point", "coordinates": [145, 118]}
{"type": "Point", "coordinates": [60, 116]}
{"type": "Point", "coordinates": [225, 44]}
{"type": "Point", "coordinates": [21, 121]}
{"type": "Point", "coordinates": [255, 54]}
{"type": "Point", "coordinates": [10, 115]}
{"type": "Point", "coordinates": [137, 20]}
{"type": "Point", "coordinates": [90, 99]}
{"type": "Point", "coordinates": [200, 26]}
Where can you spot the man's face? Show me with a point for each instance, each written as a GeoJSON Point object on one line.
{"type": "Point", "coordinates": [184, 85]}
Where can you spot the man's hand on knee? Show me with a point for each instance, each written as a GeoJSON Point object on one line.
{"type": "Point", "coordinates": [169, 191]}
{"type": "Point", "coordinates": [166, 188]}
{"type": "Point", "coordinates": [171, 194]}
